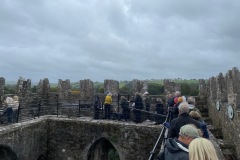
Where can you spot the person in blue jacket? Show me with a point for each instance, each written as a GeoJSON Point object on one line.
{"type": "Point", "coordinates": [195, 115]}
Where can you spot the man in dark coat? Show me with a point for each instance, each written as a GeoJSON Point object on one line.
{"type": "Point", "coordinates": [138, 107]}
{"type": "Point", "coordinates": [125, 107]}
{"type": "Point", "coordinates": [177, 149]}
{"type": "Point", "coordinates": [182, 120]}
{"type": "Point", "coordinates": [97, 106]}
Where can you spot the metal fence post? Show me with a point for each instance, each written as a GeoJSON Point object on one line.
{"type": "Point", "coordinates": [79, 108]}
{"type": "Point", "coordinates": [18, 111]}
{"type": "Point", "coordinates": [57, 106]}
{"type": "Point", "coordinates": [39, 107]}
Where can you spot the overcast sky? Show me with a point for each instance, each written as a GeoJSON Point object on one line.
{"type": "Point", "coordinates": [118, 39]}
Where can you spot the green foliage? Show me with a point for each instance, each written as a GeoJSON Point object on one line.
{"type": "Point", "coordinates": [53, 89]}
{"type": "Point", "coordinates": [189, 88]}
{"type": "Point", "coordinates": [34, 89]}
{"type": "Point", "coordinates": [10, 89]}
{"type": "Point", "coordinates": [155, 88]}
{"type": "Point", "coordinates": [125, 90]}
{"type": "Point", "coordinates": [99, 89]}
{"type": "Point", "coordinates": [75, 86]}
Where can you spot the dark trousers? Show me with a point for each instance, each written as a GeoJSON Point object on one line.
{"type": "Point", "coordinates": [15, 115]}
{"type": "Point", "coordinates": [107, 111]}
{"type": "Point", "coordinates": [125, 115]}
{"type": "Point", "coordinates": [96, 113]}
{"type": "Point", "coordinates": [9, 114]}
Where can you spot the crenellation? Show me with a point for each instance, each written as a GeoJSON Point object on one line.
{"type": "Point", "coordinates": [224, 105]}
{"type": "Point", "coordinates": [170, 86]}
{"type": "Point", "coordinates": [86, 90]}
{"type": "Point", "coordinates": [2, 86]}
{"type": "Point", "coordinates": [139, 86]}
{"type": "Point", "coordinates": [221, 88]}
{"type": "Point", "coordinates": [202, 88]}
{"type": "Point", "coordinates": [213, 88]}
{"type": "Point", "coordinates": [112, 86]}
{"type": "Point", "coordinates": [63, 90]}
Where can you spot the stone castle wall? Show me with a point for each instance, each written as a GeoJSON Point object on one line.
{"type": "Point", "coordinates": [223, 98]}
{"type": "Point", "coordinates": [170, 87]}
{"type": "Point", "coordinates": [62, 138]}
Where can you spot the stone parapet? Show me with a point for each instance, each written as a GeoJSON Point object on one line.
{"type": "Point", "coordinates": [79, 138]}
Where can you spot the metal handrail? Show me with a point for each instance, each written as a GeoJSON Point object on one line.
{"type": "Point", "coordinates": [160, 137]}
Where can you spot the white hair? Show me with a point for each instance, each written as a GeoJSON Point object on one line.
{"type": "Point", "coordinates": [183, 107]}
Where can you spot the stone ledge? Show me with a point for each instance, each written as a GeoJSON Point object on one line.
{"type": "Point", "coordinates": [16, 126]}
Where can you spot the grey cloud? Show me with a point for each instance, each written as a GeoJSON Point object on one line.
{"type": "Point", "coordinates": [117, 39]}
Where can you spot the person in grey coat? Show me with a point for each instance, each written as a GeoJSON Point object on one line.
{"type": "Point", "coordinates": [177, 149]}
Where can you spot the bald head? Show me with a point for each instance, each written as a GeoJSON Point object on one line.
{"type": "Point", "coordinates": [183, 107]}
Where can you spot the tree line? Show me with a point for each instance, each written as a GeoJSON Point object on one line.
{"type": "Point", "coordinates": [155, 87]}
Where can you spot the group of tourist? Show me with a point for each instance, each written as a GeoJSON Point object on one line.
{"type": "Point", "coordinates": [188, 136]}
{"type": "Point", "coordinates": [137, 103]}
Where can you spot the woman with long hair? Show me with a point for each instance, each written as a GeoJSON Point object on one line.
{"type": "Point", "coordinates": [202, 149]}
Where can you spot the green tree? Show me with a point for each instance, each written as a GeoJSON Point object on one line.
{"type": "Point", "coordinates": [155, 88]}
{"type": "Point", "coordinates": [125, 90]}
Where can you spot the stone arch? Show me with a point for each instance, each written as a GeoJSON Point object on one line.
{"type": "Point", "coordinates": [6, 153]}
{"type": "Point", "coordinates": [103, 149]}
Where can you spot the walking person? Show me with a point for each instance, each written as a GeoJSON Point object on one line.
{"type": "Point", "coordinates": [107, 105]}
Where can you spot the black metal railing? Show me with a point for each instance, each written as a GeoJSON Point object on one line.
{"type": "Point", "coordinates": [39, 107]}
{"type": "Point", "coordinates": [161, 138]}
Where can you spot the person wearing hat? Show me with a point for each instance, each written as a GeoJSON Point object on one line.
{"type": "Point", "coordinates": [178, 148]}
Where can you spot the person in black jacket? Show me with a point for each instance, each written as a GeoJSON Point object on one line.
{"type": "Point", "coordinates": [177, 149]}
{"type": "Point", "coordinates": [138, 107]}
{"type": "Point", "coordinates": [97, 106]}
{"type": "Point", "coordinates": [182, 120]}
{"type": "Point", "coordinates": [125, 107]}
{"type": "Point", "coordinates": [160, 110]}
